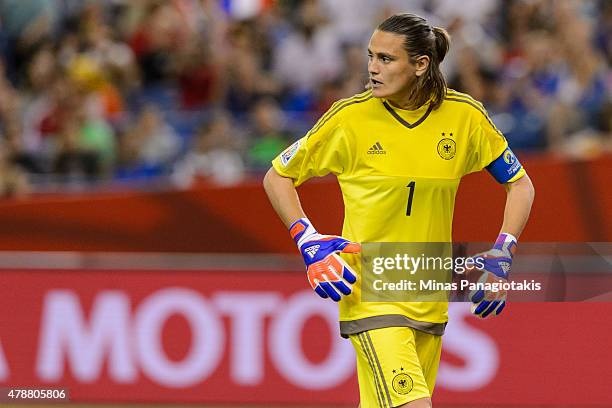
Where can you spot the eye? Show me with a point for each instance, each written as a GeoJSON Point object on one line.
{"type": "Point", "coordinates": [385, 59]}
{"type": "Point", "coordinates": [370, 56]}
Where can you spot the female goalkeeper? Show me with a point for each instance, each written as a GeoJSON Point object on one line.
{"type": "Point", "coordinates": [399, 151]}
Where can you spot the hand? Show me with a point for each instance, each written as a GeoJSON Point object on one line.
{"type": "Point", "coordinates": [497, 263]}
{"type": "Point", "coordinates": [328, 274]}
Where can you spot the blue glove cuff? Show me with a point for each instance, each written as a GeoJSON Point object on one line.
{"type": "Point", "coordinates": [300, 229]}
{"type": "Point", "coordinates": [507, 243]}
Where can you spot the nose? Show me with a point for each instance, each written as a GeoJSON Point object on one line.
{"type": "Point", "coordinates": [373, 67]}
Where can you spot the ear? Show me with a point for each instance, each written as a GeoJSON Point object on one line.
{"type": "Point", "coordinates": [422, 63]}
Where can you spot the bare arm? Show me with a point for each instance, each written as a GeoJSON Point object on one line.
{"type": "Point", "coordinates": [283, 196]}
{"type": "Point", "coordinates": [518, 205]}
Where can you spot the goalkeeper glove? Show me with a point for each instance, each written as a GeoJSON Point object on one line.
{"type": "Point", "coordinates": [497, 263]}
{"type": "Point", "coordinates": [327, 273]}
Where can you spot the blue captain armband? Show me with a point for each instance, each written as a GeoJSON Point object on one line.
{"type": "Point", "coordinates": [505, 167]}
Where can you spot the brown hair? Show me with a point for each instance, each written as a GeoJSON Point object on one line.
{"type": "Point", "coordinates": [422, 39]}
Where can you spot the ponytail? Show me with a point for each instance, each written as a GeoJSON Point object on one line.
{"type": "Point", "coordinates": [442, 43]}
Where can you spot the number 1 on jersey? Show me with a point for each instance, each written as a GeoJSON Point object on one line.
{"type": "Point", "coordinates": [411, 186]}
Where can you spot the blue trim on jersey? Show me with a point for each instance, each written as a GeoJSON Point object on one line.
{"type": "Point", "coordinates": [504, 167]}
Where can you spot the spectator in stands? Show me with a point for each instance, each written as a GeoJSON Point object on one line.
{"type": "Point", "coordinates": [308, 57]}
{"type": "Point", "coordinates": [247, 81]}
{"type": "Point", "coordinates": [74, 161]}
{"type": "Point", "coordinates": [268, 136]}
{"type": "Point", "coordinates": [541, 67]}
{"type": "Point", "coordinates": [26, 161]}
{"type": "Point", "coordinates": [603, 31]}
{"type": "Point", "coordinates": [198, 76]}
{"type": "Point", "coordinates": [215, 155]}
{"type": "Point", "coordinates": [352, 80]}
{"type": "Point", "coordinates": [161, 33]}
{"type": "Point", "coordinates": [13, 181]}
{"type": "Point", "coordinates": [583, 90]}
{"type": "Point", "coordinates": [104, 65]}
{"type": "Point", "coordinates": [11, 102]}
{"type": "Point", "coordinates": [149, 147]}
{"type": "Point", "coordinates": [25, 25]}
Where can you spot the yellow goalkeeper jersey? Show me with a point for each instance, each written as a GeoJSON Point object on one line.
{"type": "Point", "coordinates": [399, 171]}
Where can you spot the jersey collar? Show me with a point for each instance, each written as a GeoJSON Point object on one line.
{"type": "Point", "coordinates": [421, 114]}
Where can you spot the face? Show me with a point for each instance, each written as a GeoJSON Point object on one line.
{"type": "Point", "coordinates": [392, 74]}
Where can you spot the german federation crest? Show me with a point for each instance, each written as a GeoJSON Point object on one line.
{"type": "Point", "coordinates": [447, 148]}
{"type": "Point", "coordinates": [402, 383]}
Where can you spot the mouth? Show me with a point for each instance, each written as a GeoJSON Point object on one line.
{"type": "Point", "coordinates": [375, 83]}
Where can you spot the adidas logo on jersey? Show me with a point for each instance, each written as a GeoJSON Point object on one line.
{"type": "Point", "coordinates": [377, 149]}
{"type": "Point", "coordinates": [312, 251]}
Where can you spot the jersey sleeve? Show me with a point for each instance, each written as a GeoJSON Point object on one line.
{"type": "Point", "coordinates": [322, 151]}
{"type": "Point", "coordinates": [489, 149]}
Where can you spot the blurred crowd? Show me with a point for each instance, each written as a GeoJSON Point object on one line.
{"type": "Point", "coordinates": [99, 93]}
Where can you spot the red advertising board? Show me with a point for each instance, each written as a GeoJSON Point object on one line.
{"type": "Point", "coordinates": [573, 204]}
{"type": "Point", "coordinates": [262, 337]}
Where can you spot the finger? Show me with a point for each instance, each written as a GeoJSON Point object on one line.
{"type": "Point", "coordinates": [335, 272]}
{"type": "Point", "coordinates": [477, 256]}
{"type": "Point", "coordinates": [352, 248]}
{"type": "Point", "coordinates": [315, 274]}
{"type": "Point", "coordinates": [321, 292]}
{"type": "Point", "coordinates": [342, 287]}
{"type": "Point", "coordinates": [473, 308]}
{"type": "Point", "coordinates": [476, 296]}
{"type": "Point", "coordinates": [490, 309]}
{"type": "Point", "coordinates": [500, 308]}
{"type": "Point", "coordinates": [330, 291]}
{"type": "Point", "coordinates": [342, 269]}
{"type": "Point", "coordinates": [479, 308]}
{"type": "Point", "coordinates": [349, 275]}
